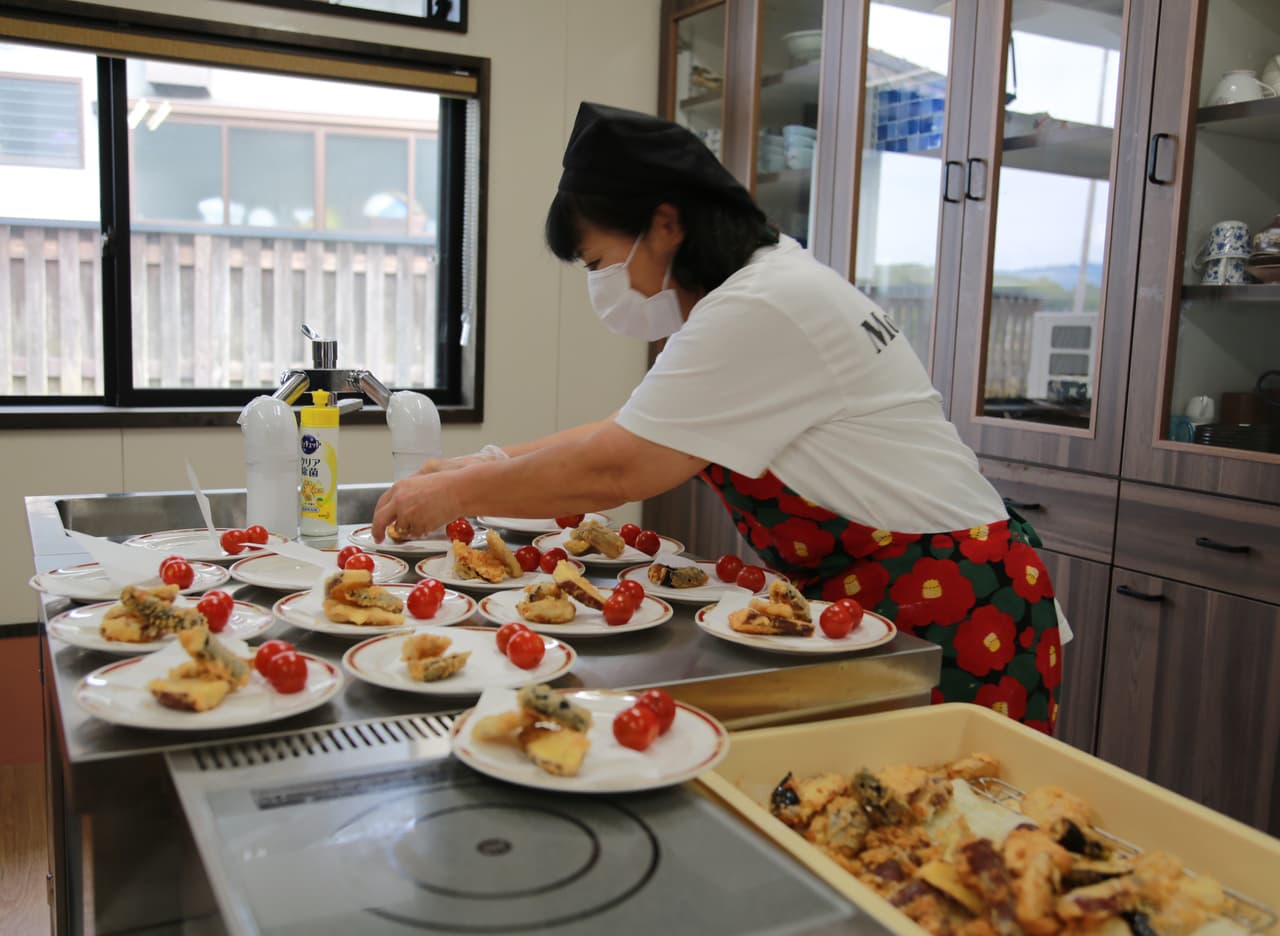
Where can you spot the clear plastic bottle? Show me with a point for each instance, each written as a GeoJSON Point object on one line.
{"type": "Point", "coordinates": [271, 465]}
{"type": "Point", "coordinates": [415, 431]}
{"type": "Point", "coordinates": [318, 444]}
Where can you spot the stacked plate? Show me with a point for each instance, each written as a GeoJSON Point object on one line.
{"type": "Point", "coordinates": [1264, 266]}
{"type": "Point", "coordinates": [1259, 437]}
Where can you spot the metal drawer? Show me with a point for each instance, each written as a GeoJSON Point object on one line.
{"type": "Point", "coordinates": [1216, 542]}
{"type": "Point", "coordinates": [1074, 513]}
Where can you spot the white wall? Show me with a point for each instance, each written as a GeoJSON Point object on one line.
{"type": "Point", "coordinates": [548, 363]}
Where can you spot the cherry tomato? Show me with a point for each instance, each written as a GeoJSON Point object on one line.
{"type": "Point", "coordinates": [647, 542]}
{"type": "Point", "coordinates": [216, 607]}
{"type": "Point", "coordinates": [267, 651]}
{"type": "Point", "coordinates": [506, 632]}
{"type": "Point", "coordinates": [629, 532]}
{"type": "Point", "coordinates": [836, 621]}
{"type": "Point", "coordinates": [287, 672]}
{"type": "Point", "coordinates": [345, 553]}
{"type": "Point", "coordinates": [528, 557]}
{"type": "Point", "coordinates": [569, 520]}
{"type": "Point", "coordinates": [636, 727]}
{"type": "Point", "coordinates": [460, 529]}
{"type": "Point", "coordinates": [549, 559]}
{"type": "Point", "coordinates": [233, 541]}
{"type": "Point", "coordinates": [853, 607]}
{"type": "Point", "coordinates": [168, 559]}
{"type": "Point", "coordinates": [727, 567]}
{"type": "Point", "coordinates": [632, 589]}
{"type": "Point", "coordinates": [525, 649]}
{"type": "Point", "coordinates": [360, 561]}
{"type": "Point", "coordinates": [425, 599]}
{"type": "Point", "coordinates": [257, 534]}
{"type": "Point", "coordinates": [662, 705]}
{"type": "Point", "coordinates": [178, 572]}
{"type": "Point", "coordinates": [751, 578]}
{"type": "Point", "coordinates": [618, 609]}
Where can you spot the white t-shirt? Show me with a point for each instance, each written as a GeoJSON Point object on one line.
{"type": "Point", "coordinates": [787, 366]}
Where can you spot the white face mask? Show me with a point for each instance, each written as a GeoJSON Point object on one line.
{"type": "Point", "coordinates": [625, 311]}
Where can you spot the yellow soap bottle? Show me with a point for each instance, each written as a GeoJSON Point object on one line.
{"type": "Point", "coordinates": [318, 443]}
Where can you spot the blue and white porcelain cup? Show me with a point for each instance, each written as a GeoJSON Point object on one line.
{"type": "Point", "coordinates": [1225, 271]}
{"type": "Point", "coordinates": [1227, 239]}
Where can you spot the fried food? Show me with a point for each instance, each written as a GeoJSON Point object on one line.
{"type": "Point", "coordinates": [577, 587]}
{"type": "Point", "coordinates": [202, 682]}
{"type": "Point", "coordinates": [500, 551]}
{"type": "Point", "coordinates": [770, 618]}
{"type": "Point", "coordinates": [785, 593]}
{"type": "Point", "coordinates": [677, 576]}
{"type": "Point", "coordinates": [424, 656]}
{"type": "Point", "coordinates": [596, 537]}
{"type": "Point", "coordinates": [555, 749]}
{"type": "Point", "coordinates": [352, 598]}
{"type": "Point", "coordinates": [145, 614]}
{"type": "Point", "coordinates": [192, 695]}
{"type": "Point", "coordinates": [551, 705]}
{"type": "Point", "coordinates": [395, 535]}
{"type": "Point", "coordinates": [213, 658]}
{"type": "Point", "coordinates": [547, 608]}
{"type": "Point", "coordinates": [549, 728]}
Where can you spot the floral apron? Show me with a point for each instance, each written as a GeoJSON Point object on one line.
{"type": "Point", "coordinates": [983, 594]}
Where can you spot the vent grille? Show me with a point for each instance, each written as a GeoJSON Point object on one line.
{"type": "Point", "coordinates": [323, 741]}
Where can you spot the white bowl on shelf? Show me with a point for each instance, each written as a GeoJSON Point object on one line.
{"type": "Point", "coordinates": [805, 45]}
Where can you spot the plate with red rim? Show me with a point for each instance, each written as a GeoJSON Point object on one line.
{"type": "Point", "coordinates": [81, 627]}
{"type": "Point", "coordinates": [873, 630]}
{"type": "Point", "coordinates": [436, 542]}
{"type": "Point", "coordinates": [532, 525]}
{"type": "Point", "coordinates": [441, 568]}
{"type": "Point", "coordinates": [500, 607]}
{"type": "Point", "coordinates": [377, 661]}
{"type": "Point", "coordinates": [195, 544]}
{"type": "Point", "coordinates": [87, 581]}
{"type": "Point", "coordinates": [455, 608]}
{"type": "Point", "coordinates": [284, 573]}
{"type": "Point", "coordinates": [118, 693]}
{"type": "Point", "coordinates": [630, 555]}
{"type": "Point", "coordinates": [699, 595]}
{"type": "Point", "coordinates": [694, 744]}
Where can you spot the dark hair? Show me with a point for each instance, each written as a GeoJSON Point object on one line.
{"type": "Point", "coordinates": [719, 236]}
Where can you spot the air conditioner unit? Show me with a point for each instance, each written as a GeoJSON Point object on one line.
{"type": "Point", "coordinates": [1063, 356]}
{"type": "Point", "coordinates": [178, 75]}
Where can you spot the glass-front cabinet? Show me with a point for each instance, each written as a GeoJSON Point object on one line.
{"type": "Point", "coordinates": [1204, 407]}
{"type": "Point", "coordinates": [698, 75]}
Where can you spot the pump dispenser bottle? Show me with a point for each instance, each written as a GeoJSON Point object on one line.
{"type": "Point", "coordinates": [415, 431]}
{"type": "Point", "coordinates": [271, 465]}
{"type": "Point", "coordinates": [318, 444]}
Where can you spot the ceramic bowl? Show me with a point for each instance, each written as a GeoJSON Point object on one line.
{"type": "Point", "coordinates": [804, 45]}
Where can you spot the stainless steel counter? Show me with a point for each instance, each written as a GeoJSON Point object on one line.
{"type": "Point", "coordinates": [106, 771]}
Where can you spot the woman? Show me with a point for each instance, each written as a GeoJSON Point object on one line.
{"type": "Point", "coordinates": [787, 390]}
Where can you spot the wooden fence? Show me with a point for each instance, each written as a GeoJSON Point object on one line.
{"type": "Point", "coordinates": [211, 310]}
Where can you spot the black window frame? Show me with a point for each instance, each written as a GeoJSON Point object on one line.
{"type": "Point", "coordinates": [459, 400]}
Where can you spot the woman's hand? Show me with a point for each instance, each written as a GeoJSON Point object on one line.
{"type": "Point", "coordinates": [487, 454]}
{"type": "Point", "coordinates": [418, 504]}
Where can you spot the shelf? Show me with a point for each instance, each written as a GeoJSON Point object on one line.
{"type": "Point", "coordinates": [788, 183]}
{"type": "Point", "coordinates": [1254, 120]}
{"type": "Point", "coordinates": [1080, 150]}
{"type": "Point", "coordinates": [1253, 292]}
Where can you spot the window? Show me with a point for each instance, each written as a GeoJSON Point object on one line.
{"type": "Point", "coordinates": [40, 122]}
{"type": "Point", "coordinates": [254, 202]}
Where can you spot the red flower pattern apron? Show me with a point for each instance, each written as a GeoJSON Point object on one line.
{"type": "Point", "coordinates": [982, 594]}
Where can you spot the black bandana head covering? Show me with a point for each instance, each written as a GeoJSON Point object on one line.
{"type": "Point", "coordinates": [613, 151]}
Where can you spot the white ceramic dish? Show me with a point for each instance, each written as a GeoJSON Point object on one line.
{"type": "Point", "coordinates": [377, 661]}
{"type": "Point", "coordinates": [81, 627]}
{"type": "Point", "coordinates": [526, 525]}
{"type": "Point", "coordinates": [872, 631]}
{"type": "Point", "coordinates": [88, 582]}
{"type": "Point", "coordinates": [695, 743]}
{"type": "Point", "coordinates": [703, 594]}
{"type": "Point", "coordinates": [195, 544]}
{"type": "Point", "coordinates": [453, 610]}
{"type": "Point", "coordinates": [287, 574]}
{"type": "Point", "coordinates": [437, 542]}
{"type": "Point", "coordinates": [630, 555]}
{"type": "Point", "coordinates": [500, 607]}
{"type": "Point", "coordinates": [441, 568]}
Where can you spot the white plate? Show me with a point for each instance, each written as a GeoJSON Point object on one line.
{"type": "Point", "coordinates": [455, 608]}
{"type": "Point", "coordinates": [285, 574]}
{"type": "Point", "coordinates": [194, 544]}
{"type": "Point", "coordinates": [527, 525]}
{"type": "Point", "coordinates": [378, 661]}
{"type": "Point", "coordinates": [363, 538]}
{"type": "Point", "coordinates": [88, 582]}
{"type": "Point", "coordinates": [441, 567]}
{"type": "Point", "coordinates": [872, 631]}
{"type": "Point", "coordinates": [630, 555]}
{"type": "Point", "coordinates": [703, 594]}
{"type": "Point", "coordinates": [81, 627]}
{"type": "Point", "coordinates": [500, 607]}
{"type": "Point", "coordinates": [695, 743]}
{"type": "Point", "coordinates": [117, 693]}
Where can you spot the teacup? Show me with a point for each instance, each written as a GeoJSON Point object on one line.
{"type": "Point", "coordinates": [1225, 271]}
{"type": "Point", "coordinates": [1271, 73]}
{"type": "Point", "coordinates": [1226, 239]}
{"type": "Point", "coordinates": [1239, 85]}
{"type": "Point", "coordinates": [1181, 429]}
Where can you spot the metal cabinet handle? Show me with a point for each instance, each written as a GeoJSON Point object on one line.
{"type": "Point", "coordinates": [946, 181]}
{"type": "Point", "coordinates": [1020, 505]}
{"type": "Point", "coordinates": [1153, 154]}
{"type": "Point", "coordinates": [1134, 593]}
{"type": "Point", "coordinates": [1205, 543]}
{"type": "Point", "coordinates": [969, 191]}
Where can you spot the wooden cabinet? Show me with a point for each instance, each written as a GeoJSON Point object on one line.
{"type": "Point", "coordinates": [1074, 513]}
{"type": "Point", "coordinates": [1081, 588]}
{"type": "Point", "coordinates": [1190, 694]}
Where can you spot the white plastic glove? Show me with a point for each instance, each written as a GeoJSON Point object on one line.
{"type": "Point", "coordinates": [489, 453]}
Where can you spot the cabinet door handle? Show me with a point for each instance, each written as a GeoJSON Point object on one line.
{"type": "Point", "coordinates": [1153, 154]}
{"type": "Point", "coordinates": [946, 181]}
{"type": "Point", "coordinates": [1134, 593]}
{"type": "Point", "coordinates": [1022, 505]}
{"type": "Point", "coordinates": [969, 191]}
{"type": "Point", "coordinates": [1205, 543]}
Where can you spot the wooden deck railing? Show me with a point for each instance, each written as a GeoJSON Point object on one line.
{"type": "Point", "coordinates": [212, 310]}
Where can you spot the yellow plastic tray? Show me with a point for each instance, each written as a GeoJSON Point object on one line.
{"type": "Point", "coordinates": [1149, 816]}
